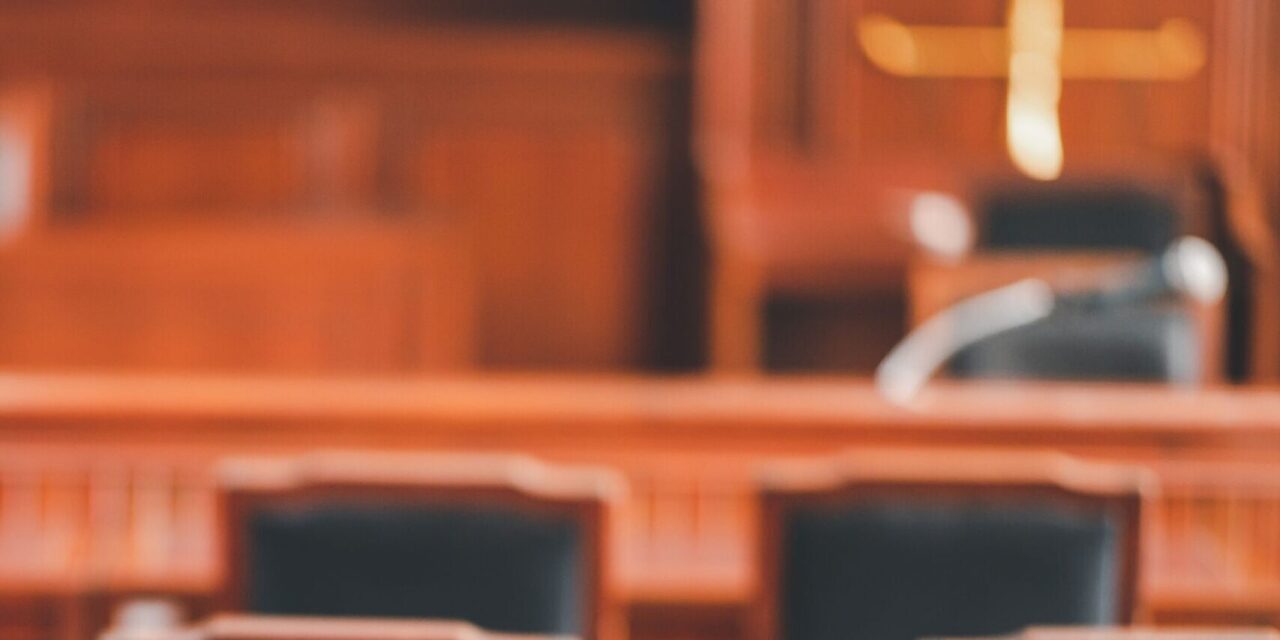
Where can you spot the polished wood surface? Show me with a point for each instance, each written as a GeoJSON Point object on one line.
{"type": "Point", "coordinates": [356, 296]}
{"type": "Point", "coordinates": [32, 403]}
{"type": "Point", "coordinates": [1147, 633]}
{"type": "Point", "coordinates": [110, 478]}
{"type": "Point", "coordinates": [250, 627]}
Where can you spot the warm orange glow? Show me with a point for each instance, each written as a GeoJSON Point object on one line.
{"type": "Point", "coordinates": [1174, 51]}
{"type": "Point", "coordinates": [15, 178]}
{"type": "Point", "coordinates": [1033, 134]}
{"type": "Point", "coordinates": [1036, 53]}
{"type": "Point", "coordinates": [933, 51]}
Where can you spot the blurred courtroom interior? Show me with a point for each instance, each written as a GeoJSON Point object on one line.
{"type": "Point", "coordinates": [660, 320]}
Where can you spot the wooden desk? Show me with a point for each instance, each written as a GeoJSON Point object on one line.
{"type": "Point", "coordinates": [252, 627]}
{"type": "Point", "coordinates": [1144, 633]}
{"type": "Point", "coordinates": [106, 489]}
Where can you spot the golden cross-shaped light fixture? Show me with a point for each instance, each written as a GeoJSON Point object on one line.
{"type": "Point", "coordinates": [1036, 54]}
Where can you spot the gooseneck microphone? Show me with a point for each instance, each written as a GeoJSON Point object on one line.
{"type": "Point", "coordinates": [1189, 268]}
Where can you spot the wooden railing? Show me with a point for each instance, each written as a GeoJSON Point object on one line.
{"type": "Point", "coordinates": [146, 522]}
{"type": "Point", "coordinates": [106, 486]}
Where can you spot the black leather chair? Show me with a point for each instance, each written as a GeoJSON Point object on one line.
{"type": "Point", "coordinates": [1142, 342]}
{"type": "Point", "coordinates": [955, 544]}
{"type": "Point", "coordinates": [496, 569]}
{"type": "Point", "coordinates": [470, 538]}
{"type": "Point", "coordinates": [1138, 343]}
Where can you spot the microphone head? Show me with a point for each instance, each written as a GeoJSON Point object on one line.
{"type": "Point", "coordinates": [941, 224]}
{"type": "Point", "coordinates": [1192, 266]}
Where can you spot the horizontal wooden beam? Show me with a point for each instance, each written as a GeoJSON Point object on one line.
{"type": "Point", "coordinates": [1175, 50]}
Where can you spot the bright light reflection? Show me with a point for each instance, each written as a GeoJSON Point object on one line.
{"type": "Point", "coordinates": [1035, 86]}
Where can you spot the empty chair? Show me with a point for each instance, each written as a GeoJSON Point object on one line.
{"type": "Point", "coordinates": [1110, 214]}
{"type": "Point", "coordinates": [505, 543]}
{"type": "Point", "coordinates": [1137, 342]}
{"type": "Point", "coordinates": [892, 545]}
{"type": "Point", "coordinates": [1087, 232]}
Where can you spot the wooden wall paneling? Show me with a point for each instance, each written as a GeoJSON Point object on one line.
{"type": "Point", "coordinates": [722, 139]}
{"type": "Point", "coordinates": [1244, 94]}
{"type": "Point", "coordinates": [964, 117]}
{"type": "Point", "coordinates": [565, 192]}
{"type": "Point", "coordinates": [883, 114]}
{"type": "Point", "coordinates": [338, 297]}
{"type": "Point", "coordinates": [88, 39]}
{"type": "Point", "coordinates": [35, 617]}
{"type": "Point", "coordinates": [443, 309]}
{"type": "Point", "coordinates": [133, 147]}
{"type": "Point", "coordinates": [772, 179]}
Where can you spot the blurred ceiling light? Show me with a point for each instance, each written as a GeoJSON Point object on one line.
{"type": "Point", "coordinates": [890, 44]}
{"type": "Point", "coordinates": [1195, 267]}
{"type": "Point", "coordinates": [15, 179]}
{"type": "Point", "coordinates": [1036, 53]}
{"type": "Point", "coordinates": [1033, 134]}
{"type": "Point", "coordinates": [1176, 50]}
{"type": "Point", "coordinates": [941, 224]}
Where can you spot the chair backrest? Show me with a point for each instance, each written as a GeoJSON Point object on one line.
{"type": "Point", "coordinates": [256, 627]}
{"type": "Point", "coordinates": [1130, 203]}
{"type": "Point", "coordinates": [897, 545]}
{"type": "Point", "coordinates": [502, 542]}
{"type": "Point", "coordinates": [1080, 216]}
{"type": "Point", "coordinates": [1099, 214]}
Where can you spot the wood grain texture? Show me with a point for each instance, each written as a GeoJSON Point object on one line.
{"type": "Point", "coordinates": [799, 98]}
{"type": "Point", "coordinates": [558, 145]}
{"type": "Point", "coordinates": [355, 296]}
{"type": "Point", "coordinates": [688, 447]}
